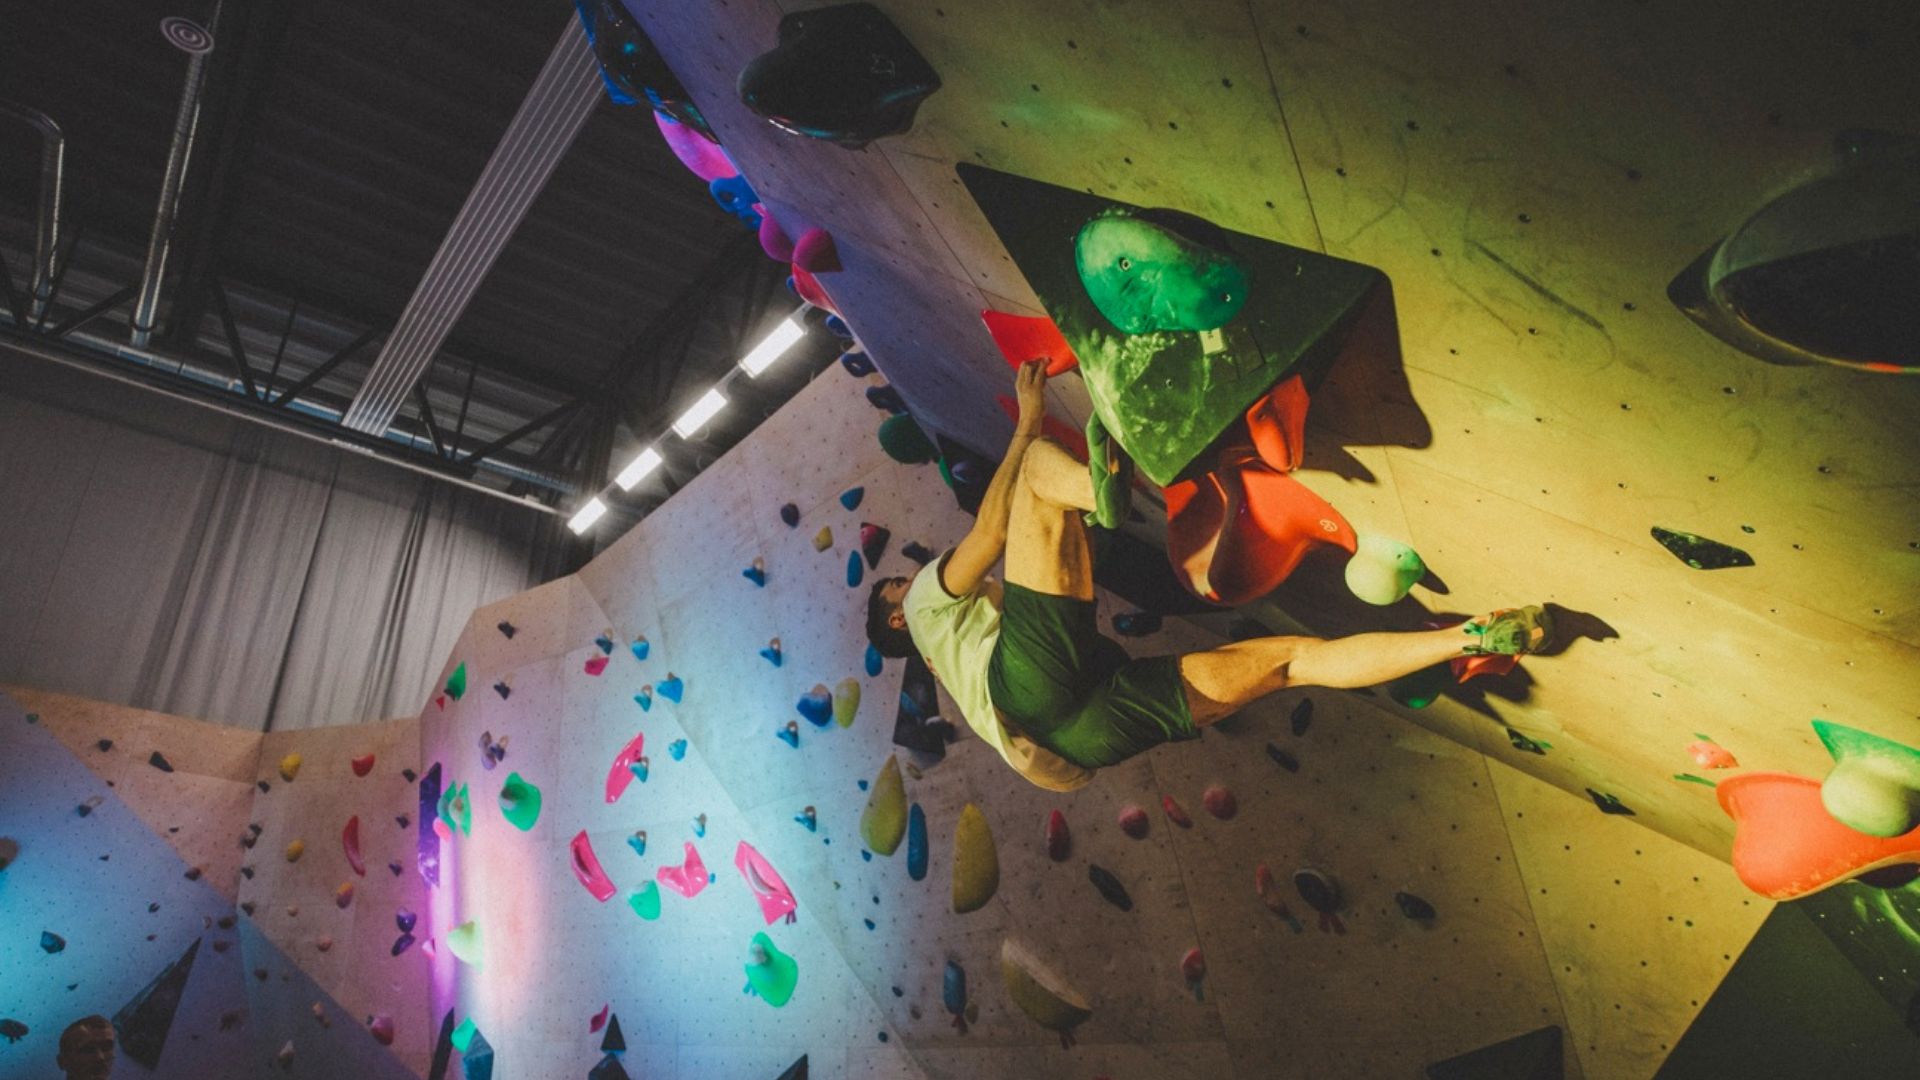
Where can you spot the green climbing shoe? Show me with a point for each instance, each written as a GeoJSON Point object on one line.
{"type": "Point", "coordinates": [1511, 632]}
{"type": "Point", "coordinates": [1112, 471]}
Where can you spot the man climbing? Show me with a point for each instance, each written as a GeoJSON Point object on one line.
{"type": "Point", "coordinates": [1034, 677]}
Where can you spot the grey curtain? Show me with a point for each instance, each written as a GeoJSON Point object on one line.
{"type": "Point", "coordinates": [163, 556]}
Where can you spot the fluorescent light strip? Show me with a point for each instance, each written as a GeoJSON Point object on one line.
{"type": "Point", "coordinates": [587, 515]}
{"type": "Point", "coordinates": [776, 344]}
{"type": "Point", "coordinates": [638, 469]}
{"type": "Point", "coordinates": [703, 410]}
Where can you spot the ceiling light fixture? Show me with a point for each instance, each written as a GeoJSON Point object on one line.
{"type": "Point", "coordinates": [638, 469]}
{"type": "Point", "coordinates": [702, 411]}
{"type": "Point", "coordinates": [775, 346]}
{"type": "Point", "coordinates": [587, 515]}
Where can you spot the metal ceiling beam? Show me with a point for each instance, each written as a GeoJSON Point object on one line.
{"type": "Point", "coordinates": [564, 94]}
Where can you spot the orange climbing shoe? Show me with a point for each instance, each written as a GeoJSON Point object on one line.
{"type": "Point", "coordinates": [1510, 632]}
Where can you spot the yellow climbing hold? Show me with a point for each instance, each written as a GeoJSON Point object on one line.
{"type": "Point", "coordinates": [884, 821]}
{"type": "Point", "coordinates": [1039, 991]}
{"type": "Point", "coordinates": [823, 539]}
{"type": "Point", "coordinates": [295, 850]}
{"type": "Point", "coordinates": [976, 865]}
{"type": "Point", "coordinates": [846, 701]}
{"type": "Point", "coordinates": [289, 767]}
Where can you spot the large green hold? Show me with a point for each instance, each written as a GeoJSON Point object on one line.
{"type": "Point", "coordinates": [646, 902]}
{"type": "Point", "coordinates": [520, 802]}
{"type": "Point", "coordinates": [456, 809]}
{"type": "Point", "coordinates": [464, 942]}
{"type": "Point", "coordinates": [884, 822]}
{"type": "Point", "coordinates": [1151, 270]}
{"type": "Point", "coordinates": [976, 862]}
{"type": "Point", "coordinates": [457, 682]}
{"type": "Point", "coordinates": [1874, 787]}
{"type": "Point", "coordinates": [772, 973]}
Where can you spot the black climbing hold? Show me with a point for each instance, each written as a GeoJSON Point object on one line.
{"type": "Point", "coordinates": [1110, 887]}
{"type": "Point", "coordinates": [13, 1030]}
{"type": "Point", "coordinates": [409, 775]}
{"type": "Point", "coordinates": [507, 629]}
{"type": "Point", "coordinates": [798, 1070]}
{"type": "Point", "coordinates": [159, 761]}
{"type": "Point", "coordinates": [613, 1042]}
{"type": "Point", "coordinates": [633, 68]}
{"type": "Point", "coordinates": [104, 745]}
{"type": "Point", "coordinates": [1521, 742]}
{"type": "Point", "coordinates": [1283, 759]}
{"type": "Point", "coordinates": [1413, 907]}
{"type": "Point", "coordinates": [790, 515]}
{"type": "Point", "coordinates": [1136, 623]}
{"type": "Point", "coordinates": [918, 552]}
{"type": "Point", "coordinates": [1321, 892]}
{"type": "Point", "coordinates": [1699, 552]}
{"type": "Point", "coordinates": [1608, 804]}
{"type": "Point", "coordinates": [143, 1022]}
{"type": "Point", "coordinates": [263, 786]}
{"type": "Point", "coordinates": [1302, 716]}
{"type": "Point", "coordinates": [52, 942]}
{"type": "Point", "coordinates": [845, 74]}
{"type": "Point", "coordinates": [609, 1069]}
{"type": "Point", "coordinates": [151, 908]}
{"type": "Point", "coordinates": [1537, 1055]}
{"type": "Point", "coordinates": [442, 1047]}
{"type": "Point", "coordinates": [887, 400]}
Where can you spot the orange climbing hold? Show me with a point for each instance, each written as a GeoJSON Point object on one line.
{"type": "Point", "coordinates": [1786, 845]}
{"type": "Point", "coordinates": [1030, 337]}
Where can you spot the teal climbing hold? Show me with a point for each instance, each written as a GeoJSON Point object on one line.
{"type": "Point", "coordinates": [677, 749]}
{"type": "Point", "coordinates": [644, 699]}
{"type": "Point", "coordinates": [790, 734]}
{"type": "Point", "coordinates": [604, 644]}
{"type": "Point", "coordinates": [916, 843]}
{"type": "Point", "coordinates": [757, 573]}
{"type": "Point", "coordinates": [772, 652]}
{"type": "Point", "coordinates": [671, 687]}
{"type": "Point", "coordinates": [854, 572]}
{"type": "Point", "coordinates": [641, 648]}
{"type": "Point", "coordinates": [851, 497]}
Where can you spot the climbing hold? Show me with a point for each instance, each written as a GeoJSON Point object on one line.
{"type": "Point", "coordinates": [1269, 895]}
{"type": "Point", "coordinates": [916, 843]}
{"type": "Point", "coordinates": [290, 767]}
{"type": "Point", "coordinates": [775, 899]}
{"type": "Point", "coordinates": [405, 920]}
{"type": "Point", "coordinates": [362, 765]}
{"type": "Point", "coordinates": [903, 440]}
{"type": "Point", "coordinates": [519, 802]}
{"type": "Point", "coordinates": [688, 878]}
{"type": "Point", "coordinates": [401, 944]}
{"type": "Point", "coordinates": [789, 513]}
{"type": "Point", "coordinates": [456, 687]}
{"type": "Point", "coordinates": [621, 773]}
{"type": "Point", "coordinates": [456, 810]}
{"type": "Point", "coordinates": [873, 543]}
{"type": "Point", "coordinates": [737, 197]}
{"type": "Point", "coordinates": [770, 972]}
{"type": "Point", "coordinates": [88, 807]}
{"type": "Point", "coordinates": [953, 994]}
{"type": "Point", "coordinates": [671, 687]}
{"type": "Point", "coordinates": [917, 551]}
{"type": "Point", "coordinates": [463, 942]}
{"type": "Point", "coordinates": [809, 818]}
{"type": "Point", "coordinates": [586, 868]}
{"type": "Point", "coordinates": [104, 745]}
{"type": "Point", "coordinates": [1110, 887]}
{"type": "Point", "coordinates": [1787, 845]}
{"type": "Point", "coordinates": [159, 761]}
{"type": "Point", "coordinates": [343, 896]}
{"type": "Point", "coordinates": [350, 843]}
{"type": "Point", "coordinates": [815, 253]}
{"type": "Point", "coordinates": [790, 734]}
{"type": "Point", "coordinates": [1689, 778]}
{"type": "Point", "coordinates": [854, 573]}
{"type": "Point", "coordinates": [823, 539]}
{"type": "Point", "coordinates": [644, 699]}
{"type": "Point", "coordinates": [381, 1028]}
{"type": "Point", "coordinates": [1301, 716]}
{"type": "Point", "coordinates": [857, 363]}
{"type": "Point", "coordinates": [284, 1058]}
{"type": "Point", "coordinates": [1133, 822]}
{"type": "Point", "coordinates": [845, 74]}
{"type": "Point", "coordinates": [640, 767]}
{"type": "Point", "coordinates": [507, 629]}
{"type": "Point", "coordinates": [976, 865]}
{"type": "Point", "coordinates": [598, 1020]}
{"type": "Point", "coordinates": [700, 825]}
{"type": "Point", "coordinates": [1874, 785]}
{"type": "Point", "coordinates": [1711, 755]}
{"type": "Point", "coordinates": [1157, 271]}
{"type": "Point", "coordinates": [1608, 804]}
{"type": "Point", "coordinates": [1040, 992]}
{"type": "Point", "coordinates": [757, 573]}
{"type": "Point", "coordinates": [772, 652]}
{"type": "Point", "coordinates": [463, 1035]}
{"type": "Point", "coordinates": [13, 1030]}
{"type": "Point", "coordinates": [1136, 623]}
{"type": "Point", "coordinates": [1383, 570]}
{"type": "Point", "coordinates": [595, 665]}
{"type": "Point", "coordinates": [1220, 802]}
{"type": "Point", "coordinates": [638, 842]}
{"type": "Point", "coordinates": [851, 497]}
{"type": "Point", "coordinates": [1528, 745]}
{"type": "Point", "coordinates": [645, 901]}
{"type": "Point", "coordinates": [677, 749]}
{"type": "Point", "coordinates": [884, 821]}
{"type": "Point", "coordinates": [1414, 907]}
{"type": "Point", "coordinates": [604, 642]}
{"type": "Point", "coordinates": [1059, 841]}
{"type": "Point", "coordinates": [1175, 812]}
{"type": "Point", "coordinates": [492, 753]}
{"type": "Point", "coordinates": [816, 705]}
{"type": "Point", "coordinates": [1417, 690]}
{"type": "Point", "coordinates": [52, 942]}
{"type": "Point", "coordinates": [846, 701]}
{"type": "Point", "coordinates": [874, 661]}
{"type": "Point", "coordinates": [1700, 552]}
{"type": "Point", "coordinates": [295, 850]}
{"type": "Point", "coordinates": [1193, 968]}
{"type": "Point", "coordinates": [1322, 894]}
{"type": "Point", "coordinates": [640, 648]}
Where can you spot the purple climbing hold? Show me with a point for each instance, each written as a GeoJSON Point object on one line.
{"type": "Point", "coordinates": [405, 920]}
{"type": "Point", "coordinates": [401, 944]}
{"type": "Point", "coordinates": [851, 497]}
{"type": "Point", "coordinates": [854, 573]}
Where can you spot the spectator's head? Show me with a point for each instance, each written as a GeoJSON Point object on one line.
{"type": "Point", "coordinates": [887, 618]}
{"type": "Point", "coordinates": [86, 1049]}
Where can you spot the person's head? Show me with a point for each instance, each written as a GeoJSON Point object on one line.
{"type": "Point", "coordinates": [86, 1049]}
{"type": "Point", "coordinates": [887, 617]}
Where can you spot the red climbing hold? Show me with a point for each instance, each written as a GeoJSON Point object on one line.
{"type": "Point", "coordinates": [1133, 822]}
{"type": "Point", "coordinates": [809, 289]}
{"type": "Point", "coordinates": [1030, 337]}
{"type": "Point", "coordinates": [599, 1020]}
{"type": "Point", "coordinates": [1059, 842]}
{"type": "Point", "coordinates": [363, 765]}
{"type": "Point", "coordinates": [350, 841]}
{"type": "Point", "coordinates": [1220, 803]}
{"type": "Point", "coordinates": [595, 665]}
{"type": "Point", "coordinates": [1175, 812]}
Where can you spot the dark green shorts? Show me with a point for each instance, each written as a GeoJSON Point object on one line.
{"type": "Point", "coordinates": [1076, 692]}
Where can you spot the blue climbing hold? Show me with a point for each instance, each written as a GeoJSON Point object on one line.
{"type": "Point", "coordinates": [809, 818]}
{"type": "Point", "coordinates": [639, 769]}
{"type": "Point", "coordinates": [838, 327]}
{"type": "Point", "coordinates": [604, 643]}
{"type": "Point", "coordinates": [677, 749]}
{"type": "Point", "coordinates": [874, 661]}
{"type": "Point", "coordinates": [52, 942]}
{"type": "Point", "coordinates": [638, 842]}
{"type": "Point", "coordinates": [858, 364]}
{"type": "Point", "coordinates": [817, 706]}
{"type": "Point", "coordinates": [916, 843]}
{"type": "Point", "coordinates": [641, 648]}
{"type": "Point", "coordinates": [790, 735]}
{"type": "Point", "coordinates": [851, 497]}
{"type": "Point", "coordinates": [757, 573]}
{"type": "Point", "coordinates": [854, 570]}
{"type": "Point", "coordinates": [772, 652]}
{"type": "Point", "coordinates": [671, 687]}
{"type": "Point", "coordinates": [736, 197]}
{"type": "Point", "coordinates": [644, 699]}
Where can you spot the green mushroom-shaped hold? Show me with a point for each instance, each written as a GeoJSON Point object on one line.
{"type": "Point", "coordinates": [1383, 570]}
{"type": "Point", "coordinates": [520, 802]}
{"type": "Point", "coordinates": [772, 973]}
{"type": "Point", "coordinates": [884, 821]}
{"type": "Point", "coordinates": [1874, 787]}
{"type": "Point", "coordinates": [1159, 270]}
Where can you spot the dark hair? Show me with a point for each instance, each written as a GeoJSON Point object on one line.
{"type": "Point", "coordinates": [891, 641]}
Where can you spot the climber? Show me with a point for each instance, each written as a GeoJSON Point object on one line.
{"type": "Point", "coordinates": [86, 1049]}
{"type": "Point", "coordinates": [1034, 677]}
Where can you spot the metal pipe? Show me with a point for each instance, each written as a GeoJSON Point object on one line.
{"type": "Point", "coordinates": [185, 122]}
{"type": "Point", "coordinates": [46, 239]}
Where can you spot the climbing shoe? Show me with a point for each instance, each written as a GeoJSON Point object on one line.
{"type": "Point", "coordinates": [1510, 632]}
{"type": "Point", "coordinates": [1112, 471]}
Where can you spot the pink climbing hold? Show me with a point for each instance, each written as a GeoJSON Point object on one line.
{"type": "Point", "coordinates": [586, 867]}
{"type": "Point", "coordinates": [1133, 822]}
{"type": "Point", "coordinates": [599, 1020]}
{"type": "Point", "coordinates": [596, 665]}
{"type": "Point", "coordinates": [1059, 841]}
{"type": "Point", "coordinates": [1711, 755]}
{"type": "Point", "coordinates": [774, 240]}
{"type": "Point", "coordinates": [362, 765]}
{"type": "Point", "coordinates": [350, 841]}
{"type": "Point", "coordinates": [1220, 803]}
{"type": "Point", "coordinates": [814, 252]}
{"type": "Point", "coordinates": [621, 774]}
{"type": "Point", "coordinates": [809, 289]}
{"type": "Point", "coordinates": [687, 879]}
{"type": "Point", "coordinates": [1175, 812]}
{"type": "Point", "coordinates": [381, 1027]}
{"type": "Point", "coordinates": [702, 156]}
{"type": "Point", "coordinates": [776, 900]}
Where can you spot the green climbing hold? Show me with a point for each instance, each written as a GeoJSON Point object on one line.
{"type": "Point", "coordinates": [1531, 746]}
{"type": "Point", "coordinates": [1383, 570]}
{"type": "Point", "coordinates": [457, 682]}
{"type": "Point", "coordinates": [520, 802]}
{"type": "Point", "coordinates": [456, 809]}
{"type": "Point", "coordinates": [1689, 778]}
{"type": "Point", "coordinates": [646, 902]}
{"type": "Point", "coordinates": [1874, 787]}
{"type": "Point", "coordinates": [976, 863]}
{"type": "Point", "coordinates": [884, 821]}
{"type": "Point", "coordinates": [904, 442]}
{"type": "Point", "coordinates": [464, 942]}
{"type": "Point", "coordinates": [846, 701]}
{"type": "Point", "coordinates": [1417, 691]}
{"type": "Point", "coordinates": [1158, 270]}
{"type": "Point", "coordinates": [463, 1035]}
{"type": "Point", "coordinates": [1699, 552]}
{"type": "Point", "coordinates": [770, 972]}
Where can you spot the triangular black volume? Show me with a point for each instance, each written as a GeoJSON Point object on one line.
{"type": "Point", "coordinates": [613, 1042]}
{"type": "Point", "coordinates": [797, 1070]}
{"type": "Point", "coordinates": [442, 1049]}
{"type": "Point", "coordinates": [1537, 1055]}
{"type": "Point", "coordinates": [609, 1069]}
{"type": "Point", "coordinates": [143, 1022]}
